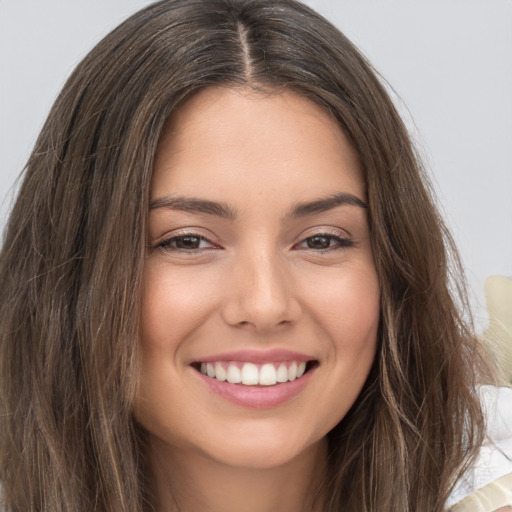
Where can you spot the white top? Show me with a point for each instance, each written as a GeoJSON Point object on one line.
{"type": "Point", "coordinates": [494, 460]}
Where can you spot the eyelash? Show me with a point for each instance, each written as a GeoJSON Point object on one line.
{"type": "Point", "coordinates": [167, 244]}
{"type": "Point", "coordinates": [339, 242]}
{"type": "Point", "coordinates": [335, 242]}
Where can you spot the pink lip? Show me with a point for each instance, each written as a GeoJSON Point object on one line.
{"type": "Point", "coordinates": [258, 397]}
{"type": "Point", "coordinates": [257, 356]}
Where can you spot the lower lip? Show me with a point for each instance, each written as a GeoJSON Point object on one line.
{"type": "Point", "coordinates": [257, 397]}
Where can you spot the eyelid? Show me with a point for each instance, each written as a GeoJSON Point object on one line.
{"type": "Point", "coordinates": [325, 230]}
{"type": "Point", "coordinates": [164, 241]}
{"type": "Point", "coordinates": [344, 238]}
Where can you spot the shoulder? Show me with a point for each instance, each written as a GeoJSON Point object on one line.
{"type": "Point", "coordinates": [487, 485]}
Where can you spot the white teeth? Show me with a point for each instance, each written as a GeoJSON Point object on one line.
{"type": "Point", "coordinates": [234, 376]}
{"type": "Point", "coordinates": [282, 373]}
{"type": "Point", "coordinates": [251, 374]}
{"type": "Point", "coordinates": [220, 373]}
{"type": "Point", "coordinates": [292, 371]}
{"type": "Point", "coordinates": [267, 375]}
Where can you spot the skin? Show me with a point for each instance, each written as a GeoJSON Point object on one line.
{"type": "Point", "coordinates": [257, 280]}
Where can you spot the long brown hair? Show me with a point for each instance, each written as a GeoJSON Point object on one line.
{"type": "Point", "coordinates": [73, 256]}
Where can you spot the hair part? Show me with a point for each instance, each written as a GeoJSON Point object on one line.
{"type": "Point", "coordinates": [72, 262]}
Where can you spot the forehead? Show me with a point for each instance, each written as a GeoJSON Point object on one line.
{"type": "Point", "coordinates": [224, 139]}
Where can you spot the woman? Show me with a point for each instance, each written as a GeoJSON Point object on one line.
{"type": "Point", "coordinates": [225, 285]}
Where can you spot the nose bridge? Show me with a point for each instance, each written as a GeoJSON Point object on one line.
{"type": "Point", "coordinates": [262, 291]}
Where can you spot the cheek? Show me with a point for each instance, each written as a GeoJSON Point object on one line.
{"type": "Point", "coordinates": [347, 305]}
{"type": "Point", "coordinates": [348, 312]}
{"type": "Point", "coordinates": [345, 308]}
{"type": "Point", "coordinates": [174, 304]}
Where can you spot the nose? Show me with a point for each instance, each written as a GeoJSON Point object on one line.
{"type": "Point", "coordinates": [261, 294]}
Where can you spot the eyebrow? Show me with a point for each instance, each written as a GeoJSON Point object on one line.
{"type": "Point", "coordinates": [194, 205]}
{"type": "Point", "coordinates": [219, 209]}
{"type": "Point", "coordinates": [325, 204]}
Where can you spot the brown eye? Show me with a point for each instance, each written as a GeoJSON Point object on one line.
{"type": "Point", "coordinates": [187, 242]}
{"type": "Point", "coordinates": [319, 242]}
{"type": "Point", "coordinates": [324, 242]}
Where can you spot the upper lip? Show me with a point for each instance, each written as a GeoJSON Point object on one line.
{"type": "Point", "coordinates": [257, 356]}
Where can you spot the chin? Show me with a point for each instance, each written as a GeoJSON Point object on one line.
{"type": "Point", "coordinates": [256, 456]}
{"type": "Point", "coordinates": [260, 446]}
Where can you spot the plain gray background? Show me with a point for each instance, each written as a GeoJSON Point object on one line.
{"type": "Point", "coordinates": [449, 61]}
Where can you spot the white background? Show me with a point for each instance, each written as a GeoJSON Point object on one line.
{"type": "Point", "coordinates": [449, 61]}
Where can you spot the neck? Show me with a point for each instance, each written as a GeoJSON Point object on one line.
{"type": "Point", "coordinates": [193, 482]}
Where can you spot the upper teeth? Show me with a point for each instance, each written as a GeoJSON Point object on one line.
{"type": "Point", "coordinates": [252, 374]}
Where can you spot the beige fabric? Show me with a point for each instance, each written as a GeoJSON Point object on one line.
{"type": "Point", "coordinates": [492, 497]}
{"type": "Point", "coordinates": [498, 337]}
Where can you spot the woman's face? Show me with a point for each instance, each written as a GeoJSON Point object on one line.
{"type": "Point", "coordinates": [260, 269]}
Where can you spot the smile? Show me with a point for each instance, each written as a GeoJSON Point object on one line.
{"type": "Point", "coordinates": [251, 374]}
{"type": "Point", "coordinates": [256, 378]}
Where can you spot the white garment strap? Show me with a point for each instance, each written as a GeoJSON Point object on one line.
{"type": "Point", "coordinates": [488, 498]}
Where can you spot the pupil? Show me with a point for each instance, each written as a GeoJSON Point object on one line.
{"type": "Point", "coordinates": [188, 242]}
{"type": "Point", "coordinates": [319, 242]}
